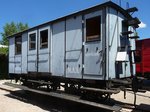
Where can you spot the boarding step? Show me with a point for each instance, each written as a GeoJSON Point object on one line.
{"type": "Point", "coordinates": [114, 91]}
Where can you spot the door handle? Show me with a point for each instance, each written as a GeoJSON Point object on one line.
{"type": "Point", "coordinates": [100, 51]}
{"type": "Point", "coordinates": [36, 63]}
{"type": "Point", "coordinates": [87, 50]}
{"type": "Point", "coordinates": [96, 49]}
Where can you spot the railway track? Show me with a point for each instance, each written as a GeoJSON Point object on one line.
{"type": "Point", "coordinates": [70, 98]}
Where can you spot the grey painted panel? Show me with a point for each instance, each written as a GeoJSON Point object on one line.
{"type": "Point", "coordinates": [58, 50]}
{"type": "Point", "coordinates": [43, 63]}
{"type": "Point", "coordinates": [18, 64]}
{"type": "Point", "coordinates": [74, 47]}
{"type": "Point", "coordinates": [11, 55]}
{"type": "Point", "coordinates": [24, 52]}
{"type": "Point", "coordinates": [11, 65]}
{"type": "Point", "coordinates": [113, 45]}
{"type": "Point", "coordinates": [74, 33]}
{"type": "Point", "coordinates": [74, 64]}
{"type": "Point", "coordinates": [107, 42]}
{"type": "Point", "coordinates": [32, 63]}
{"type": "Point", "coordinates": [93, 59]}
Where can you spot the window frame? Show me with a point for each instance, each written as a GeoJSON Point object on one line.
{"type": "Point", "coordinates": [40, 30]}
{"type": "Point", "coordinates": [100, 26]}
{"type": "Point", "coordinates": [30, 33]}
{"type": "Point", "coordinates": [16, 45]}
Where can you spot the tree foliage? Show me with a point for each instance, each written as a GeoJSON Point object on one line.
{"type": "Point", "coordinates": [10, 29]}
{"type": "Point", "coordinates": [4, 50]}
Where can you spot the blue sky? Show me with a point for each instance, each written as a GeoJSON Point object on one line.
{"type": "Point", "coordinates": [35, 12]}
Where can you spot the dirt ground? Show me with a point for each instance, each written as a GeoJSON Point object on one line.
{"type": "Point", "coordinates": [142, 100]}
{"type": "Point", "coordinates": [10, 104]}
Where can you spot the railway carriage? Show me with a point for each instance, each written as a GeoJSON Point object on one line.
{"type": "Point", "coordinates": [142, 54]}
{"type": "Point", "coordinates": [87, 50]}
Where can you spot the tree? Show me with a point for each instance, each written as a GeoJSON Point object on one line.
{"type": "Point", "coordinates": [10, 29]}
{"type": "Point", "coordinates": [4, 50]}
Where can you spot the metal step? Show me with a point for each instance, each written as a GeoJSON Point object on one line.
{"type": "Point", "coordinates": [39, 82]}
{"type": "Point", "coordinates": [133, 22]}
{"type": "Point", "coordinates": [133, 9]}
{"type": "Point", "coordinates": [134, 37]}
{"type": "Point", "coordinates": [127, 33]}
{"type": "Point", "coordinates": [114, 91]}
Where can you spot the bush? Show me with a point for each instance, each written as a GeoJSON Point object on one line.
{"type": "Point", "coordinates": [3, 66]}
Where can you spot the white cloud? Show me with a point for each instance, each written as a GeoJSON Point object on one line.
{"type": "Point", "coordinates": [142, 25]}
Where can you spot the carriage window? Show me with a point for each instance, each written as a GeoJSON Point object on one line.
{"type": "Point", "coordinates": [18, 41]}
{"type": "Point", "coordinates": [93, 29]}
{"type": "Point", "coordinates": [44, 39]}
{"type": "Point", "coordinates": [32, 41]}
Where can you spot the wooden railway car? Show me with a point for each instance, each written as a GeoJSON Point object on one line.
{"type": "Point", "coordinates": [85, 50]}
{"type": "Point", "coordinates": [143, 58]}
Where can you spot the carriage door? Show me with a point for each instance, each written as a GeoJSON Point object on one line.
{"type": "Point", "coordinates": [32, 51]}
{"type": "Point", "coordinates": [44, 50]}
{"type": "Point", "coordinates": [93, 45]}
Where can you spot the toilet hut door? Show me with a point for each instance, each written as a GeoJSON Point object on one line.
{"type": "Point", "coordinates": [93, 45]}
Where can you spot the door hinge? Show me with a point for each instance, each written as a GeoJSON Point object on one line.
{"type": "Point", "coordinates": [83, 43]}
{"type": "Point", "coordinates": [82, 21]}
{"type": "Point", "coordinates": [83, 66]}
